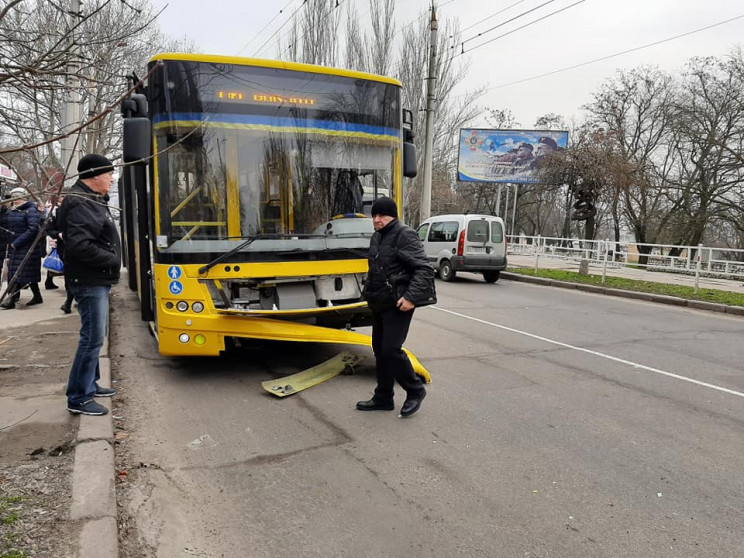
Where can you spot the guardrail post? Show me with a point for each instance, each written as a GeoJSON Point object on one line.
{"type": "Point", "coordinates": [537, 252]}
{"type": "Point", "coordinates": [710, 258]}
{"type": "Point", "coordinates": [604, 264]}
{"type": "Point", "coordinates": [698, 259]}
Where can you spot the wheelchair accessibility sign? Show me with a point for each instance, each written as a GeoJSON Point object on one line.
{"type": "Point", "coordinates": [175, 287]}
{"type": "Point", "coordinates": [174, 272]}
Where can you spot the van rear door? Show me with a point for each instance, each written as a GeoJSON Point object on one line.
{"type": "Point", "coordinates": [477, 240]}
{"type": "Point", "coordinates": [497, 241]}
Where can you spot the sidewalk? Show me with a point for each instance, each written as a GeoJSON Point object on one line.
{"type": "Point", "coordinates": [34, 416]}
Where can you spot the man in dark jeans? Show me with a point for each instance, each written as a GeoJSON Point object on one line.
{"type": "Point", "coordinates": [399, 272]}
{"type": "Point", "coordinates": [92, 263]}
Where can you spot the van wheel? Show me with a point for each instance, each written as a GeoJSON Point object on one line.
{"type": "Point", "coordinates": [491, 276]}
{"type": "Point", "coordinates": [446, 272]}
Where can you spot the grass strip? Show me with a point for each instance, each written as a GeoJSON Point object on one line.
{"type": "Point", "coordinates": [680, 291]}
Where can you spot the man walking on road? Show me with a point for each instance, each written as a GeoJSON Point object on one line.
{"type": "Point", "coordinates": [399, 273]}
{"type": "Point", "coordinates": [92, 261]}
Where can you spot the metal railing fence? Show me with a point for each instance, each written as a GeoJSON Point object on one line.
{"type": "Point", "coordinates": [710, 261]}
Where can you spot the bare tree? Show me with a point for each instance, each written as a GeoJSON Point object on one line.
{"type": "Point", "coordinates": [502, 119]}
{"type": "Point", "coordinates": [313, 36]}
{"type": "Point", "coordinates": [44, 46]}
{"type": "Point", "coordinates": [371, 52]}
{"type": "Point", "coordinates": [708, 124]}
{"type": "Point", "coordinates": [452, 113]}
{"type": "Point", "coordinates": [633, 110]}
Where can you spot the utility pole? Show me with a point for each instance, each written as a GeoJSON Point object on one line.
{"type": "Point", "coordinates": [71, 110]}
{"type": "Point", "coordinates": [431, 85]}
{"type": "Point", "coordinates": [514, 213]}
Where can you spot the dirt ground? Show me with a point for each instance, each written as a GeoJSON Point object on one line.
{"type": "Point", "coordinates": [36, 454]}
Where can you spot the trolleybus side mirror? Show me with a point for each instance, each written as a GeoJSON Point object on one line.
{"type": "Point", "coordinates": [136, 129]}
{"type": "Point", "coordinates": [410, 169]}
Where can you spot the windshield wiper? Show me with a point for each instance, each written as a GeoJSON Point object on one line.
{"type": "Point", "coordinates": [248, 242]}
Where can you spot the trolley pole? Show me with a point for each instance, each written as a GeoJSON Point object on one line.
{"type": "Point", "coordinates": [431, 84]}
{"type": "Point", "coordinates": [71, 109]}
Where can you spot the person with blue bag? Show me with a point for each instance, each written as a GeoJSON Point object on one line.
{"type": "Point", "coordinates": [23, 221]}
{"type": "Point", "coordinates": [58, 249]}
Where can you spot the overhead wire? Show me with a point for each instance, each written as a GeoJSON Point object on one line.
{"type": "Point", "coordinates": [526, 12]}
{"type": "Point", "coordinates": [246, 45]}
{"type": "Point", "coordinates": [628, 51]}
{"type": "Point", "coordinates": [304, 3]}
{"type": "Point", "coordinates": [501, 11]}
{"type": "Point", "coordinates": [522, 26]}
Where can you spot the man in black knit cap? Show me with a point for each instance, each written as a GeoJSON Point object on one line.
{"type": "Point", "coordinates": [92, 258]}
{"type": "Point", "coordinates": [399, 272]}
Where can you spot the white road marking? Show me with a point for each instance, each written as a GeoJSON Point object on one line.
{"type": "Point", "coordinates": [595, 353]}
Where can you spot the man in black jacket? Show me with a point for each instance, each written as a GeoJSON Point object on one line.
{"type": "Point", "coordinates": [399, 272]}
{"type": "Point", "coordinates": [92, 259]}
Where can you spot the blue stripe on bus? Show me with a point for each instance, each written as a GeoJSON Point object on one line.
{"type": "Point", "coordinates": [275, 121]}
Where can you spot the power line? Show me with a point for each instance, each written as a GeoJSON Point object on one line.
{"type": "Point", "coordinates": [304, 3]}
{"type": "Point", "coordinates": [505, 22]}
{"type": "Point", "coordinates": [501, 11]}
{"type": "Point", "coordinates": [615, 55]}
{"type": "Point", "coordinates": [263, 28]}
{"type": "Point", "coordinates": [523, 26]}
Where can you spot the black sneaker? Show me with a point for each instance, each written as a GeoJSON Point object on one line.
{"type": "Point", "coordinates": [90, 407]}
{"type": "Point", "coordinates": [104, 392]}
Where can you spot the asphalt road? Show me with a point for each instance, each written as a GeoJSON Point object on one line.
{"type": "Point", "coordinates": [559, 424]}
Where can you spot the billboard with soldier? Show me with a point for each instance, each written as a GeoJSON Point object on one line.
{"type": "Point", "coordinates": [512, 156]}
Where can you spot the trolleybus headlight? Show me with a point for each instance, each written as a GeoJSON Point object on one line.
{"type": "Point", "coordinates": [182, 306]}
{"type": "Point", "coordinates": [184, 338]}
{"type": "Point", "coordinates": [197, 307]}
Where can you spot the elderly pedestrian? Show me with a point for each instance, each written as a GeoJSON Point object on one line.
{"type": "Point", "coordinates": [23, 221]}
{"type": "Point", "coordinates": [92, 258]}
{"type": "Point", "coordinates": [399, 273]}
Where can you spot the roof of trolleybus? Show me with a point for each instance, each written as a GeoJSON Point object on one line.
{"type": "Point", "coordinates": [277, 64]}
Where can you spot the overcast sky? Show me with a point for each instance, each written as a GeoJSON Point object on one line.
{"type": "Point", "coordinates": [589, 30]}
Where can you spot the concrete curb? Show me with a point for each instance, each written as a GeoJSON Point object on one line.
{"type": "Point", "coordinates": [648, 297]}
{"type": "Point", "coordinates": [93, 478]}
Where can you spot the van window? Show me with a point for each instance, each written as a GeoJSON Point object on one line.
{"type": "Point", "coordinates": [497, 233]}
{"type": "Point", "coordinates": [478, 231]}
{"type": "Point", "coordinates": [423, 230]}
{"type": "Point", "coordinates": [444, 231]}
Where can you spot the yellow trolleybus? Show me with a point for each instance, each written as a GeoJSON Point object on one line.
{"type": "Point", "coordinates": [246, 213]}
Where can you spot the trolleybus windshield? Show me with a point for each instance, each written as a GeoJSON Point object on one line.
{"type": "Point", "coordinates": [245, 151]}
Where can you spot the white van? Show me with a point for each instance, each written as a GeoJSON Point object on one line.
{"type": "Point", "coordinates": [465, 242]}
